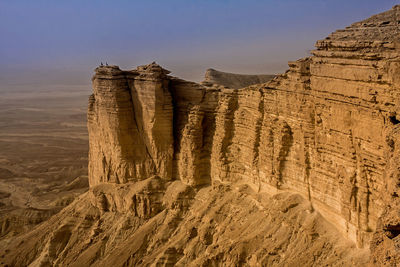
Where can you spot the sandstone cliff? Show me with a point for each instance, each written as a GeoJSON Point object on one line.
{"type": "Point", "coordinates": [184, 173]}
{"type": "Point", "coordinates": [233, 80]}
{"type": "Point", "coordinates": [130, 125]}
{"type": "Point", "coordinates": [323, 129]}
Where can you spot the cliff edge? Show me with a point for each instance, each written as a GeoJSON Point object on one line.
{"type": "Point", "coordinates": [300, 170]}
{"type": "Point", "coordinates": [233, 80]}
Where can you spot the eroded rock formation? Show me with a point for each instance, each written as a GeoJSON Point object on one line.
{"type": "Point", "coordinates": [130, 125]}
{"type": "Point", "coordinates": [157, 223]}
{"type": "Point", "coordinates": [201, 174]}
{"type": "Point", "coordinates": [320, 129]}
{"type": "Point", "coordinates": [233, 80]}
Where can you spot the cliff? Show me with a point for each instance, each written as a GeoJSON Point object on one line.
{"type": "Point", "coordinates": [324, 129]}
{"type": "Point", "coordinates": [320, 129]}
{"type": "Point", "coordinates": [233, 80]}
{"type": "Point", "coordinates": [302, 169]}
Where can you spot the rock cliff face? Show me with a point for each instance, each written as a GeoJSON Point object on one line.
{"type": "Point", "coordinates": [185, 173]}
{"type": "Point", "coordinates": [319, 129]}
{"type": "Point", "coordinates": [233, 80]}
{"type": "Point", "coordinates": [130, 125]}
{"type": "Point", "coordinates": [156, 223]}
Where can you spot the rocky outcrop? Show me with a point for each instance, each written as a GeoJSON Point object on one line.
{"type": "Point", "coordinates": [130, 125]}
{"type": "Point", "coordinates": [174, 224]}
{"type": "Point", "coordinates": [233, 80]}
{"type": "Point", "coordinates": [202, 169]}
{"type": "Point", "coordinates": [320, 129]}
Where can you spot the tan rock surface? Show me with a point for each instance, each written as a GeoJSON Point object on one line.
{"type": "Point", "coordinates": [130, 125]}
{"type": "Point", "coordinates": [153, 223]}
{"type": "Point", "coordinates": [269, 174]}
{"type": "Point", "coordinates": [233, 80]}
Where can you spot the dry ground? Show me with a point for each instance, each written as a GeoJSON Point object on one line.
{"type": "Point", "coordinates": [43, 153]}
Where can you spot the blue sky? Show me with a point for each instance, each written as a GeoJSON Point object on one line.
{"type": "Point", "coordinates": [61, 42]}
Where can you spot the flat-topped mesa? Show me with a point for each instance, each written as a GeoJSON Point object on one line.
{"type": "Point", "coordinates": [233, 80]}
{"type": "Point", "coordinates": [130, 125]}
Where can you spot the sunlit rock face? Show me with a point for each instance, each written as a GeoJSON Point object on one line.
{"type": "Point", "coordinates": [203, 174]}
{"type": "Point", "coordinates": [130, 125]}
{"type": "Point", "coordinates": [319, 129]}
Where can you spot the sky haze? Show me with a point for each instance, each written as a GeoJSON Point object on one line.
{"type": "Point", "coordinates": [60, 42]}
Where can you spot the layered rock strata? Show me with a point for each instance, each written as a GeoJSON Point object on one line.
{"type": "Point", "coordinates": [130, 125]}
{"type": "Point", "coordinates": [320, 129]}
{"type": "Point", "coordinates": [158, 223]}
{"type": "Point", "coordinates": [186, 168]}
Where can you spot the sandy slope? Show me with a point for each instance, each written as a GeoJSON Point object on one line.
{"type": "Point", "coordinates": [218, 225]}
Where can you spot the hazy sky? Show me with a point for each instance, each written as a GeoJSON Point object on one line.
{"type": "Point", "coordinates": [61, 42]}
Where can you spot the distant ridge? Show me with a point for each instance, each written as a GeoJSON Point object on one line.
{"type": "Point", "coordinates": [233, 80]}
